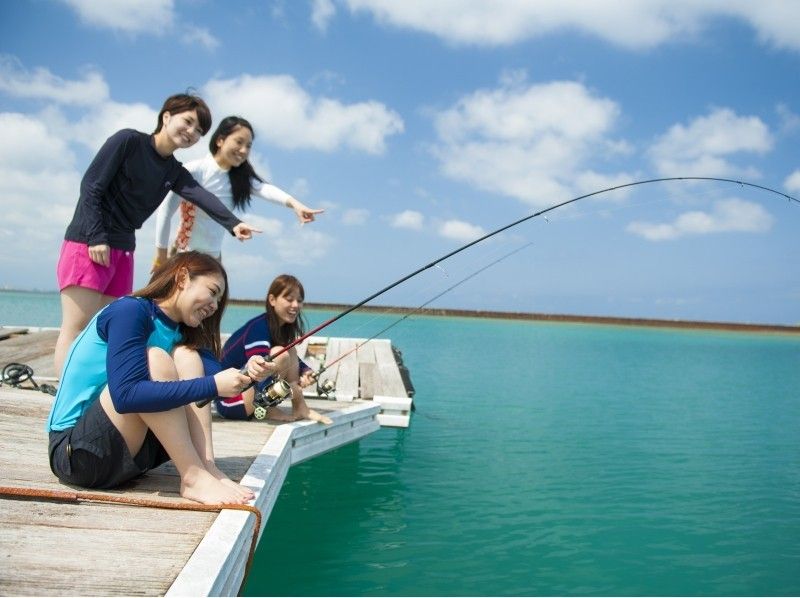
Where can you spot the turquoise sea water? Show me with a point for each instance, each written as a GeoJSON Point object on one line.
{"type": "Point", "coordinates": [548, 459]}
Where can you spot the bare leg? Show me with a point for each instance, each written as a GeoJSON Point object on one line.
{"type": "Point", "coordinates": [78, 306]}
{"type": "Point", "coordinates": [172, 430]}
{"type": "Point", "coordinates": [289, 369]}
{"type": "Point", "coordinates": [189, 365]}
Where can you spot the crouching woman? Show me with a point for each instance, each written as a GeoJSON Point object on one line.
{"type": "Point", "coordinates": [125, 406]}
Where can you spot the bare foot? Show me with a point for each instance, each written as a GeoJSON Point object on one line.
{"type": "Point", "coordinates": [276, 414]}
{"type": "Point", "coordinates": [204, 488]}
{"type": "Point", "coordinates": [318, 417]}
{"type": "Point", "coordinates": [244, 491]}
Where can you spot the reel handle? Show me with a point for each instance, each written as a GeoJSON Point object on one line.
{"type": "Point", "coordinates": [243, 370]}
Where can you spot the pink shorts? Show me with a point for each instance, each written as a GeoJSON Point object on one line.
{"type": "Point", "coordinates": [75, 268]}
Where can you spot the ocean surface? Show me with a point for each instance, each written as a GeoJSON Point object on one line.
{"type": "Point", "coordinates": [547, 459]}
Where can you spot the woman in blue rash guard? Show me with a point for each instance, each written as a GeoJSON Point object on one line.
{"type": "Point", "coordinates": [267, 334]}
{"type": "Point", "coordinates": [126, 404]}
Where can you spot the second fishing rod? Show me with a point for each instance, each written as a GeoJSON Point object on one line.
{"type": "Point", "coordinates": [501, 229]}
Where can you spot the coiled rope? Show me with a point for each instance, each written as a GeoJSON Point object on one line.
{"type": "Point", "coordinates": [15, 374]}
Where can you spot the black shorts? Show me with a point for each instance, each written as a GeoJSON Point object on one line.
{"type": "Point", "coordinates": [93, 454]}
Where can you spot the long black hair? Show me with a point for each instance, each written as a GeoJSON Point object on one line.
{"type": "Point", "coordinates": [241, 176]}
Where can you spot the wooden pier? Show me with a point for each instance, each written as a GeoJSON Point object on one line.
{"type": "Point", "coordinates": [73, 546]}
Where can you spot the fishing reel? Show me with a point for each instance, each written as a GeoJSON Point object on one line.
{"type": "Point", "coordinates": [270, 396]}
{"type": "Point", "coordinates": [325, 388]}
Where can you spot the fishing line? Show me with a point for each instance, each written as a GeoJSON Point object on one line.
{"type": "Point", "coordinates": [419, 308]}
{"type": "Point", "coordinates": [515, 223]}
{"type": "Point", "coordinates": [506, 227]}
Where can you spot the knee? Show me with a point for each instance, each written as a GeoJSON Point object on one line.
{"type": "Point", "coordinates": [188, 363]}
{"type": "Point", "coordinates": [161, 364]}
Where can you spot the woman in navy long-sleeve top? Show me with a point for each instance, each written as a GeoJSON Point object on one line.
{"type": "Point", "coordinates": [125, 403]}
{"type": "Point", "coordinates": [125, 183]}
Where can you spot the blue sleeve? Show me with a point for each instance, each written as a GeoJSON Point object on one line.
{"type": "Point", "coordinates": [126, 326]}
{"type": "Point", "coordinates": [189, 189]}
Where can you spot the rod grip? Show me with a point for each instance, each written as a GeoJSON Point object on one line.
{"type": "Point", "coordinates": [243, 370]}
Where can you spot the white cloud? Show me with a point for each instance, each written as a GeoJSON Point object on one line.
{"type": "Point", "coordinates": [300, 187]}
{"type": "Point", "coordinates": [306, 246]}
{"type": "Point", "coordinates": [38, 190]}
{"type": "Point", "coordinates": [322, 11]}
{"type": "Point", "coordinates": [128, 16]}
{"type": "Point", "coordinates": [633, 25]}
{"type": "Point", "coordinates": [200, 36]}
{"type": "Point", "coordinates": [100, 123]}
{"type": "Point", "coordinates": [702, 147]}
{"type": "Point", "coordinates": [530, 142]}
{"type": "Point", "coordinates": [41, 84]}
{"type": "Point", "coordinates": [285, 114]}
{"type": "Point", "coordinates": [790, 121]}
{"type": "Point", "coordinates": [730, 215]}
{"type": "Point", "coordinates": [458, 230]}
{"type": "Point", "coordinates": [355, 217]}
{"type": "Point", "coordinates": [408, 219]}
{"type": "Point", "coordinates": [792, 182]}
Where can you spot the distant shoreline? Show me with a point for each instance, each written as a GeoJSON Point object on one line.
{"type": "Point", "coordinates": [539, 317]}
{"type": "Point", "coordinates": [525, 316]}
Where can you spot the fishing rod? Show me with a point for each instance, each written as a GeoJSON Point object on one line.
{"type": "Point", "coordinates": [497, 231]}
{"type": "Point", "coordinates": [327, 386]}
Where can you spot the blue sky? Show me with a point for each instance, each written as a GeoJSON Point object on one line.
{"type": "Point", "coordinates": [421, 125]}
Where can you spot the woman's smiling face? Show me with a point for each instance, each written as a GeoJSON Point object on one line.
{"type": "Point", "coordinates": [287, 305]}
{"type": "Point", "coordinates": [234, 149]}
{"type": "Point", "coordinates": [199, 298]}
{"type": "Point", "coordinates": [182, 129]}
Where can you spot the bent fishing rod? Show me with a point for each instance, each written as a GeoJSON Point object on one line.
{"type": "Point", "coordinates": [328, 387]}
{"type": "Point", "coordinates": [497, 231]}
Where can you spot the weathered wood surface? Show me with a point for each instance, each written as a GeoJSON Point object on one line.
{"type": "Point", "coordinates": [34, 349]}
{"type": "Point", "coordinates": [58, 548]}
{"type": "Point", "coordinates": [89, 548]}
{"type": "Point", "coordinates": [368, 367]}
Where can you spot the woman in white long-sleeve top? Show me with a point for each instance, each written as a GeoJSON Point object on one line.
{"type": "Point", "coordinates": [228, 174]}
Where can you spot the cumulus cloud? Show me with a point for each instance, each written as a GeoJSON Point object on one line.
{"type": "Point", "coordinates": [704, 146]}
{"type": "Point", "coordinates": [128, 16]}
{"type": "Point", "coordinates": [307, 245]}
{"type": "Point", "coordinates": [322, 11]}
{"type": "Point", "coordinates": [789, 121]}
{"type": "Point", "coordinates": [41, 84]}
{"type": "Point", "coordinates": [355, 217]}
{"type": "Point", "coordinates": [288, 116]}
{"type": "Point", "coordinates": [458, 230]}
{"type": "Point", "coordinates": [531, 142]}
{"type": "Point", "coordinates": [408, 219]}
{"type": "Point", "coordinates": [201, 36]}
{"type": "Point", "coordinates": [730, 215]}
{"type": "Point", "coordinates": [38, 190]}
{"type": "Point", "coordinates": [632, 25]}
{"type": "Point", "coordinates": [792, 182]}
{"type": "Point", "coordinates": [104, 120]}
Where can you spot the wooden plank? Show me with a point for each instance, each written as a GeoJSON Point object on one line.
{"type": "Point", "coordinates": [391, 382]}
{"type": "Point", "coordinates": [366, 352]}
{"type": "Point", "coordinates": [155, 543]}
{"type": "Point", "coordinates": [347, 377]}
{"type": "Point", "coordinates": [8, 331]}
{"type": "Point", "coordinates": [35, 350]}
{"type": "Point", "coordinates": [367, 377]}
